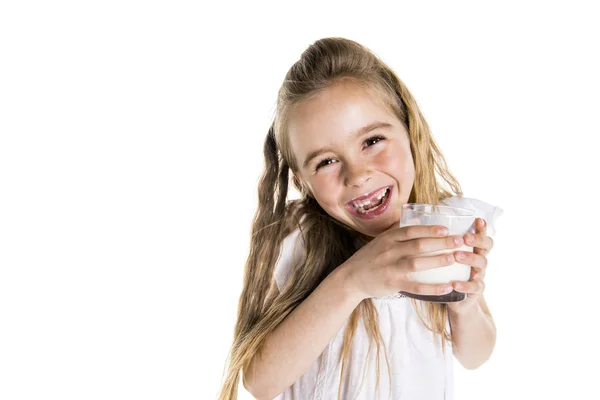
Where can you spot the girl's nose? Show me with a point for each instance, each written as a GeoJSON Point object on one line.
{"type": "Point", "coordinates": [357, 177]}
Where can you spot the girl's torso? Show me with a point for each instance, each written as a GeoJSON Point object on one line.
{"type": "Point", "coordinates": [418, 368]}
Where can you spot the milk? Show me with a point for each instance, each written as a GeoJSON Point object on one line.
{"type": "Point", "coordinates": [447, 274]}
{"type": "Point", "coordinates": [459, 221]}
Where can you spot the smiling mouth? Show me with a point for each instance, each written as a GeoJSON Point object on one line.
{"type": "Point", "coordinates": [371, 206]}
{"type": "Point", "coordinates": [368, 210]}
{"type": "Point", "coordinates": [369, 198]}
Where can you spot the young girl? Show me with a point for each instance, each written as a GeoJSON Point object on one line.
{"type": "Point", "coordinates": [322, 280]}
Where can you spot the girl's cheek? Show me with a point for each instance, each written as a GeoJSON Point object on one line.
{"type": "Point", "coordinates": [386, 158]}
{"type": "Point", "coordinates": [323, 183]}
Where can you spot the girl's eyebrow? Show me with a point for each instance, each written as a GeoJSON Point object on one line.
{"type": "Point", "coordinates": [365, 129]}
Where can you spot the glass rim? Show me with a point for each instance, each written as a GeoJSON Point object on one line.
{"type": "Point", "coordinates": [408, 205]}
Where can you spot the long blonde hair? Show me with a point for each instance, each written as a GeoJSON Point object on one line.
{"type": "Point", "coordinates": [328, 242]}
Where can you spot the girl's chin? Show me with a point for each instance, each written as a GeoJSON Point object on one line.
{"type": "Point", "coordinates": [381, 223]}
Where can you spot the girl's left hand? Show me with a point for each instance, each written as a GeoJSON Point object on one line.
{"type": "Point", "coordinates": [482, 244]}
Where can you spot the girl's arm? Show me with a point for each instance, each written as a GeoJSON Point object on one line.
{"type": "Point", "coordinates": [475, 333]}
{"type": "Point", "coordinates": [301, 337]}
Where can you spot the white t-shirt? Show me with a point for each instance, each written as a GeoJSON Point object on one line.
{"type": "Point", "coordinates": [419, 370]}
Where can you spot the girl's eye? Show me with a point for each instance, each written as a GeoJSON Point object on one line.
{"type": "Point", "coordinates": [373, 138]}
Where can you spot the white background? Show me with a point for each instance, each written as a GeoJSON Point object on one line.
{"type": "Point", "coordinates": [131, 148]}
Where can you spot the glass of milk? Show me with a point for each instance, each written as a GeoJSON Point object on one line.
{"type": "Point", "coordinates": [459, 221]}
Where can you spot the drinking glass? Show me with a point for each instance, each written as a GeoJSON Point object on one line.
{"type": "Point", "coordinates": [459, 221]}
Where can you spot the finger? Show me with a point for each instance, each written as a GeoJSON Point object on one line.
{"type": "Point", "coordinates": [481, 226]}
{"type": "Point", "coordinates": [401, 234]}
{"type": "Point", "coordinates": [488, 244]}
{"type": "Point", "coordinates": [477, 274]}
{"type": "Point", "coordinates": [427, 246]}
{"type": "Point", "coordinates": [471, 287]}
{"type": "Point", "coordinates": [470, 258]}
{"type": "Point", "coordinates": [481, 241]}
{"type": "Point", "coordinates": [415, 264]}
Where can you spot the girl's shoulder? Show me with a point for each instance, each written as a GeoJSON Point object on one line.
{"type": "Point", "coordinates": [291, 252]}
{"type": "Point", "coordinates": [484, 210]}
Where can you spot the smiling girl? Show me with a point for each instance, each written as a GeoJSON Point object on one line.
{"type": "Point", "coordinates": [320, 315]}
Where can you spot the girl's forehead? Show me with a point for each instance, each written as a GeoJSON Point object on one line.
{"type": "Point", "coordinates": [335, 116]}
{"type": "Point", "coordinates": [337, 110]}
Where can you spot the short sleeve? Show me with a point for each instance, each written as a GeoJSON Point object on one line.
{"type": "Point", "coordinates": [482, 209]}
{"type": "Point", "coordinates": [292, 252]}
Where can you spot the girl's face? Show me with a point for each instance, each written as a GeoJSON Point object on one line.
{"type": "Point", "coordinates": [354, 161]}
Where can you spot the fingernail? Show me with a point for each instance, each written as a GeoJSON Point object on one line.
{"type": "Point", "coordinates": [458, 240]}
{"type": "Point", "coordinates": [460, 255]}
{"type": "Point", "coordinates": [469, 239]}
{"type": "Point", "coordinates": [482, 222]}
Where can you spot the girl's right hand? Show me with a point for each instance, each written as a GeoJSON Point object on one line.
{"type": "Point", "coordinates": [382, 267]}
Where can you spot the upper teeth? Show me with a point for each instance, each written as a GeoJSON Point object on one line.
{"type": "Point", "coordinates": [378, 196]}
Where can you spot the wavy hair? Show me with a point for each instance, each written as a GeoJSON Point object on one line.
{"type": "Point", "coordinates": [328, 242]}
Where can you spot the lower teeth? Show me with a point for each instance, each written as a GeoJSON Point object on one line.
{"type": "Point", "coordinates": [361, 210]}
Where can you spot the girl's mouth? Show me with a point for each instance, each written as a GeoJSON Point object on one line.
{"type": "Point", "coordinates": [374, 209]}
